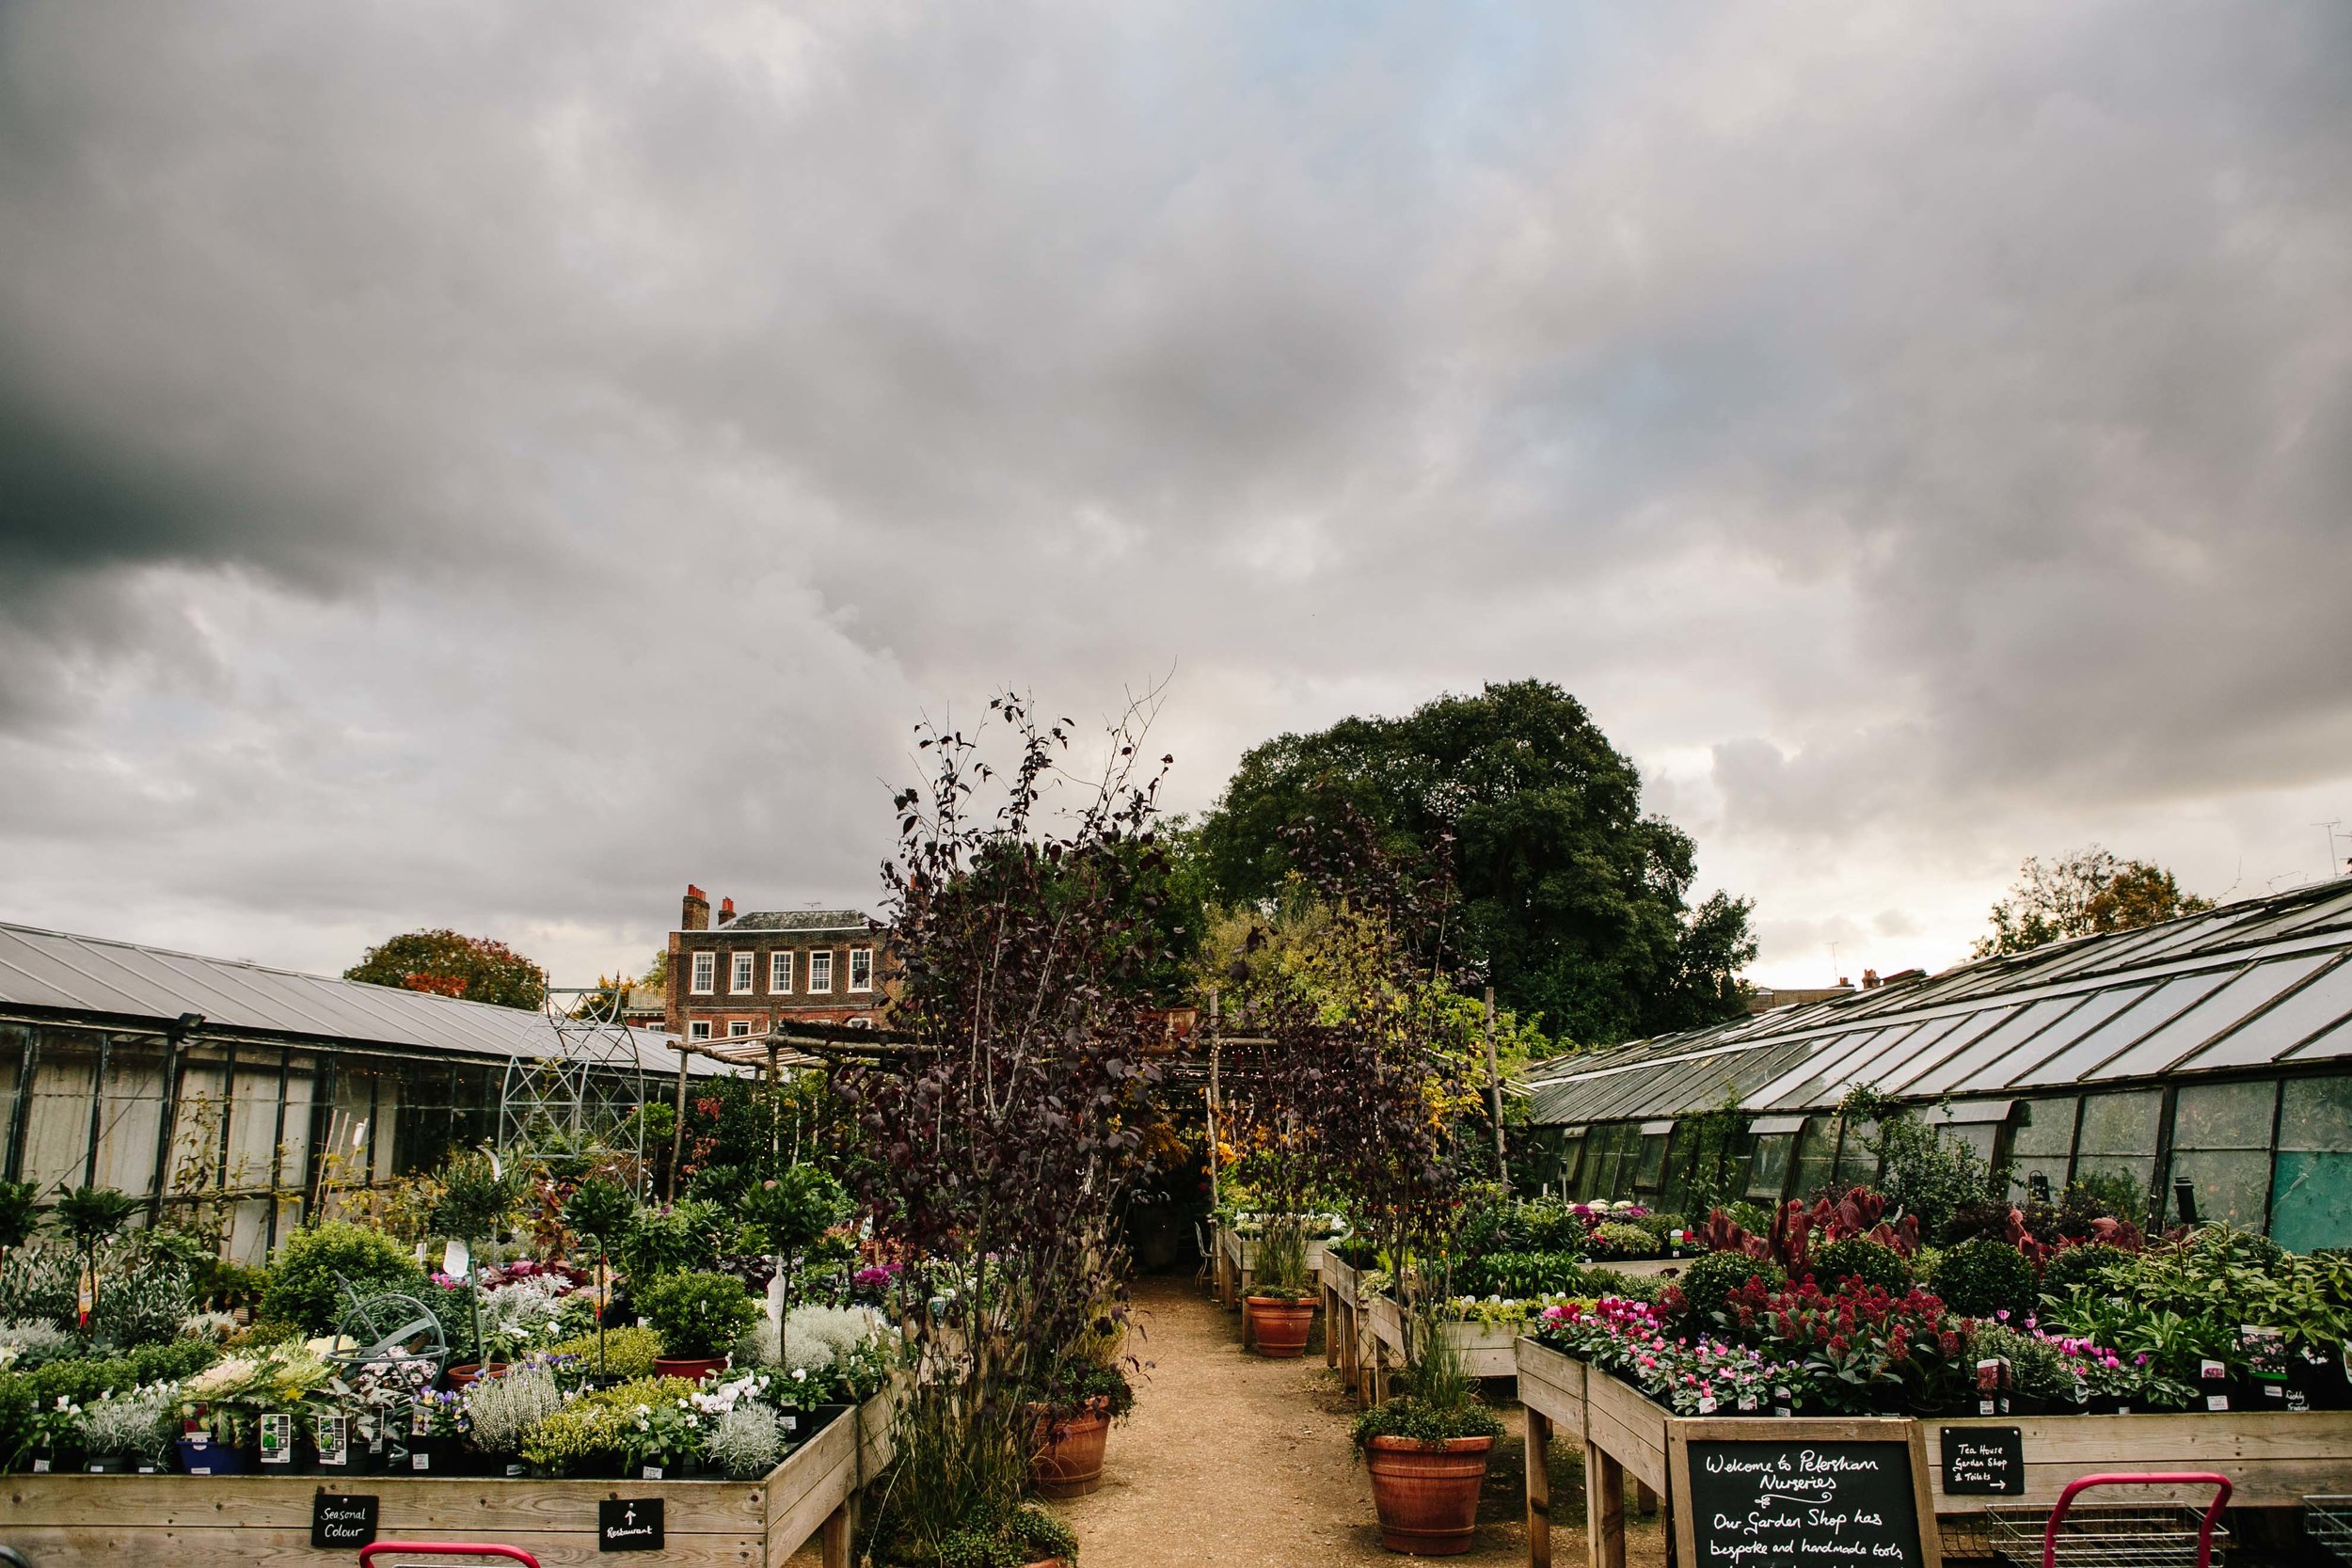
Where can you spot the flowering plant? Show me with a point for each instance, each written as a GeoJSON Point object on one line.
{"type": "Point", "coordinates": [663, 1430]}
{"type": "Point", "coordinates": [1865, 1349]}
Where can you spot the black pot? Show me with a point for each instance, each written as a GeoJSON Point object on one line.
{"type": "Point", "coordinates": [106, 1467]}
{"type": "Point", "coordinates": [2028, 1405]}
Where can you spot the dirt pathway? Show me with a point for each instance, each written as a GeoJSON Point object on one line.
{"type": "Point", "coordinates": [1233, 1459]}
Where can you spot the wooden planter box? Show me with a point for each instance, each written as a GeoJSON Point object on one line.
{"type": "Point", "coordinates": [2272, 1459]}
{"type": "Point", "coordinates": [1485, 1352]}
{"type": "Point", "coordinates": [69, 1521]}
{"type": "Point", "coordinates": [1237, 1264]}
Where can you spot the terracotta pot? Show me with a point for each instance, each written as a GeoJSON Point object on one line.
{"type": "Point", "coordinates": [468, 1372]}
{"type": "Point", "coordinates": [1427, 1497]}
{"type": "Point", "coordinates": [1279, 1327]}
{"type": "Point", "coordinates": [694, 1368]}
{"type": "Point", "coordinates": [1069, 1458]}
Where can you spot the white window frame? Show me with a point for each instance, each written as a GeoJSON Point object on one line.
{"type": "Point", "coordinates": [861, 958]}
{"type": "Point", "coordinates": [742, 972]}
{"type": "Point", "coordinates": [820, 972]}
{"type": "Point", "coordinates": [739, 1028]}
{"type": "Point", "coordinates": [698, 1029]}
{"type": "Point", "coordinates": [780, 972]}
{"type": "Point", "coordinates": [705, 973]}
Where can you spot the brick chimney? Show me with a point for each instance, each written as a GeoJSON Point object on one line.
{"type": "Point", "coordinates": [726, 911]}
{"type": "Point", "coordinates": [1869, 979]}
{"type": "Point", "coordinates": [694, 913]}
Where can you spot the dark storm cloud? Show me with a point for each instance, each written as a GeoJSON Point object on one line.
{"type": "Point", "coordinates": [577, 440]}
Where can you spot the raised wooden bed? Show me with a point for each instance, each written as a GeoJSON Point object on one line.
{"type": "Point", "coordinates": [1485, 1352]}
{"type": "Point", "coordinates": [65, 1521]}
{"type": "Point", "coordinates": [1237, 1264]}
{"type": "Point", "coordinates": [2272, 1459]}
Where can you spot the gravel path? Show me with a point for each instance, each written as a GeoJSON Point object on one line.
{"type": "Point", "coordinates": [1237, 1460]}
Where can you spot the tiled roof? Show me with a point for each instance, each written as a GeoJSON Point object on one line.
{"type": "Point", "coordinates": [798, 920]}
{"type": "Point", "coordinates": [2266, 981]}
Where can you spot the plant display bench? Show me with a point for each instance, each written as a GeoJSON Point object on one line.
{"type": "Point", "coordinates": [2272, 1459]}
{"type": "Point", "coordinates": [1485, 1352]}
{"type": "Point", "coordinates": [83, 1521]}
{"type": "Point", "coordinates": [1343, 1323]}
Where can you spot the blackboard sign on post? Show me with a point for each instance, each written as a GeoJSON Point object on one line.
{"type": "Point", "coordinates": [1801, 1493]}
{"type": "Point", "coordinates": [1983, 1461]}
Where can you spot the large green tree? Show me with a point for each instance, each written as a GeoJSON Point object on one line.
{"type": "Point", "coordinates": [449, 965]}
{"type": "Point", "coordinates": [2088, 891]}
{"type": "Point", "coordinates": [1575, 900]}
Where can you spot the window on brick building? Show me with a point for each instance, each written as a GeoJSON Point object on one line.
{"type": "Point", "coordinates": [739, 1028]}
{"type": "Point", "coordinates": [698, 1030]}
{"type": "Point", "coordinates": [706, 972]}
{"type": "Point", "coordinates": [860, 969]}
{"type": "Point", "coordinates": [739, 981]}
{"type": "Point", "coordinates": [820, 971]}
{"type": "Point", "coordinates": [780, 972]}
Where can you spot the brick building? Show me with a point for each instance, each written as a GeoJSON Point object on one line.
{"type": "Point", "coordinates": [740, 975]}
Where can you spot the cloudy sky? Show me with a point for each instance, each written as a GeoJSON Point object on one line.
{"type": "Point", "coordinates": [486, 465]}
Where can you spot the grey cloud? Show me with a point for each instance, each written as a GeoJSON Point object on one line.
{"type": "Point", "coordinates": [1927, 415]}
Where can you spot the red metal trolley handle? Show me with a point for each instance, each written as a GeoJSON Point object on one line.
{"type": "Point", "coordinates": [446, 1548]}
{"type": "Point", "coordinates": [2220, 1484]}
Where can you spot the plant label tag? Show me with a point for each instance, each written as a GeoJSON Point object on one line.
{"type": "Point", "coordinates": [628, 1525]}
{"type": "Point", "coordinates": [421, 1459]}
{"type": "Point", "coordinates": [649, 1472]}
{"type": "Point", "coordinates": [2216, 1401]}
{"type": "Point", "coordinates": [277, 1437]}
{"type": "Point", "coordinates": [339, 1524]}
{"type": "Point", "coordinates": [791, 1423]}
{"type": "Point", "coordinates": [332, 1434]}
{"type": "Point", "coordinates": [40, 1466]}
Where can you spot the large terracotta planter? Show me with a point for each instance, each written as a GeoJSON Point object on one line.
{"type": "Point", "coordinates": [694, 1367]}
{"type": "Point", "coordinates": [468, 1373]}
{"type": "Point", "coordinates": [1069, 1458]}
{"type": "Point", "coordinates": [1279, 1327]}
{"type": "Point", "coordinates": [1427, 1496]}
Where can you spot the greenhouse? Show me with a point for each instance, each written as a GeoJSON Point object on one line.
{"type": "Point", "coordinates": [2208, 1060]}
{"type": "Point", "coordinates": [183, 1080]}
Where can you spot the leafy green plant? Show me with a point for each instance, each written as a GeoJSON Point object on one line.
{"type": "Point", "coordinates": [2035, 1365]}
{"type": "Point", "coordinates": [1859, 1257]}
{"type": "Point", "coordinates": [1521, 1275]}
{"type": "Point", "coordinates": [626, 1353]}
{"type": "Point", "coordinates": [1026, 1534]}
{"type": "Point", "coordinates": [599, 1211]}
{"type": "Point", "coordinates": [146, 1299]}
{"type": "Point", "coordinates": [305, 1281]}
{"type": "Point", "coordinates": [585, 1433]}
{"type": "Point", "coordinates": [1933, 1178]}
{"type": "Point", "coordinates": [687, 1235]}
{"type": "Point", "coordinates": [1622, 1239]}
{"type": "Point", "coordinates": [1281, 1260]}
{"type": "Point", "coordinates": [19, 1213]}
{"type": "Point", "coordinates": [2079, 1267]}
{"type": "Point", "coordinates": [34, 1343]}
{"type": "Point", "coordinates": [93, 1215]}
{"type": "Point", "coordinates": [1709, 1281]}
{"type": "Point", "coordinates": [697, 1314]}
{"type": "Point", "coordinates": [745, 1442]}
{"type": "Point", "coordinates": [1984, 1278]}
{"type": "Point", "coordinates": [795, 1207]}
{"type": "Point", "coordinates": [134, 1426]}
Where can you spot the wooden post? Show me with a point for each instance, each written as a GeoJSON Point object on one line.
{"type": "Point", "coordinates": [1604, 1509]}
{"type": "Point", "coordinates": [1539, 1489]}
{"type": "Point", "coordinates": [1330, 1324]}
{"type": "Point", "coordinates": [678, 1126]}
{"type": "Point", "coordinates": [1494, 1082]}
{"type": "Point", "coordinates": [839, 1533]}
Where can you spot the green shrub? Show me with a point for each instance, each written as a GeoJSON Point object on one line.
{"type": "Point", "coordinates": [628, 1353]}
{"type": "Point", "coordinates": [1629, 1286]}
{"type": "Point", "coordinates": [697, 1314]}
{"type": "Point", "coordinates": [686, 1236]}
{"type": "Point", "coordinates": [1859, 1257]}
{"type": "Point", "coordinates": [2034, 1363]}
{"type": "Point", "coordinates": [1622, 1239]}
{"type": "Point", "coordinates": [1982, 1278]}
{"type": "Point", "coordinates": [85, 1379]}
{"type": "Point", "coordinates": [1519, 1276]}
{"type": "Point", "coordinates": [1408, 1416]}
{"type": "Point", "coordinates": [303, 1282]}
{"type": "Point", "coordinates": [1029, 1534]}
{"type": "Point", "coordinates": [1709, 1280]}
{"type": "Point", "coordinates": [2078, 1265]}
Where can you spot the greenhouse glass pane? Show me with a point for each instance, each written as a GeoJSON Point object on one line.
{"type": "Point", "coordinates": [2046, 1129]}
{"type": "Point", "coordinates": [2328, 1000]}
{"type": "Point", "coordinates": [1964, 1063]}
{"type": "Point", "coordinates": [1768, 1173]}
{"type": "Point", "coordinates": [1816, 1145]}
{"type": "Point", "coordinates": [1652, 1168]}
{"type": "Point", "coordinates": [2122, 1124]}
{"type": "Point", "coordinates": [2093, 1014]}
{"type": "Point", "coordinates": [2316, 1114]}
{"type": "Point", "coordinates": [2310, 1203]}
{"type": "Point", "coordinates": [2140, 1172]}
{"type": "Point", "coordinates": [2224, 1116]}
{"type": "Point", "coordinates": [2077, 1061]}
{"type": "Point", "coordinates": [2230, 1185]}
{"type": "Point", "coordinates": [1856, 1163]}
{"type": "Point", "coordinates": [2222, 1010]}
{"type": "Point", "coordinates": [2022, 1170]}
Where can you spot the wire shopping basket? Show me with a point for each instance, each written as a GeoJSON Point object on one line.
{"type": "Point", "coordinates": [2110, 1535]}
{"type": "Point", "coordinates": [2328, 1520]}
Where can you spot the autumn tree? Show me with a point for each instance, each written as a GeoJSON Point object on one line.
{"type": "Point", "coordinates": [1574, 900]}
{"type": "Point", "coordinates": [446, 963]}
{"type": "Point", "coordinates": [2084, 894]}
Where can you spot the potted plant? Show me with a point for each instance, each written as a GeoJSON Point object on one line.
{"type": "Point", "coordinates": [699, 1317]}
{"type": "Point", "coordinates": [584, 1438]}
{"type": "Point", "coordinates": [53, 1433]}
{"type": "Point", "coordinates": [93, 1215]}
{"type": "Point", "coordinates": [662, 1438]}
{"type": "Point", "coordinates": [1074, 1422]}
{"type": "Point", "coordinates": [127, 1434]}
{"type": "Point", "coordinates": [795, 1207]}
{"type": "Point", "coordinates": [745, 1441]}
{"type": "Point", "coordinates": [1280, 1304]}
{"type": "Point", "coordinates": [1427, 1452]}
{"type": "Point", "coordinates": [599, 1211]}
{"type": "Point", "coordinates": [499, 1410]}
{"type": "Point", "coordinates": [476, 1197]}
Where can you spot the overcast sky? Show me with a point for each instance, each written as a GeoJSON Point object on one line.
{"type": "Point", "coordinates": [488, 465]}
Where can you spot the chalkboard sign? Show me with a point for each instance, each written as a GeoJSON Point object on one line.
{"type": "Point", "coordinates": [1983, 1462]}
{"type": "Point", "coordinates": [628, 1525]}
{"type": "Point", "coordinates": [341, 1524]}
{"type": "Point", "coordinates": [1803, 1494]}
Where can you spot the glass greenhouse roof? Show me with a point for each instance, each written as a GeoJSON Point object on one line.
{"type": "Point", "coordinates": [2263, 981]}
